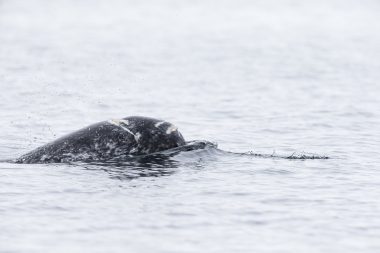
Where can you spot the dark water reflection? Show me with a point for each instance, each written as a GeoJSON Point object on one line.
{"type": "Point", "coordinates": [153, 165]}
{"type": "Point", "coordinates": [147, 166]}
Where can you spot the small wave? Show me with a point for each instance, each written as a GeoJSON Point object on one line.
{"type": "Point", "coordinates": [6, 160]}
{"type": "Point", "coordinates": [295, 156]}
{"type": "Point", "coordinates": [193, 150]}
{"type": "Point", "coordinates": [195, 154]}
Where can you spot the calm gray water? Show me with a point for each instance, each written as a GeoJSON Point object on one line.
{"type": "Point", "coordinates": [254, 76]}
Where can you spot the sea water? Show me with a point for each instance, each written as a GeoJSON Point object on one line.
{"type": "Point", "coordinates": [276, 78]}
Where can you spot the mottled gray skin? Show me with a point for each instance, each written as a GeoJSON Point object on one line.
{"type": "Point", "coordinates": [131, 136]}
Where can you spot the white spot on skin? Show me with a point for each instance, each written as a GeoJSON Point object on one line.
{"type": "Point", "coordinates": [114, 122]}
{"type": "Point", "coordinates": [159, 123]}
{"type": "Point", "coordinates": [172, 128]}
{"type": "Point", "coordinates": [137, 137]}
{"type": "Point", "coordinates": [129, 131]}
{"type": "Point", "coordinates": [117, 123]}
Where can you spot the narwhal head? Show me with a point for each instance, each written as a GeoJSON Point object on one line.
{"type": "Point", "coordinates": [151, 135]}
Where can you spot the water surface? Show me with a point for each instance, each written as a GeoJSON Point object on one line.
{"type": "Point", "coordinates": [270, 77]}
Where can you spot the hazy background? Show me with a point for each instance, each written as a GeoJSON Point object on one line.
{"type": "Point", "coordinates": [289, 76]}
